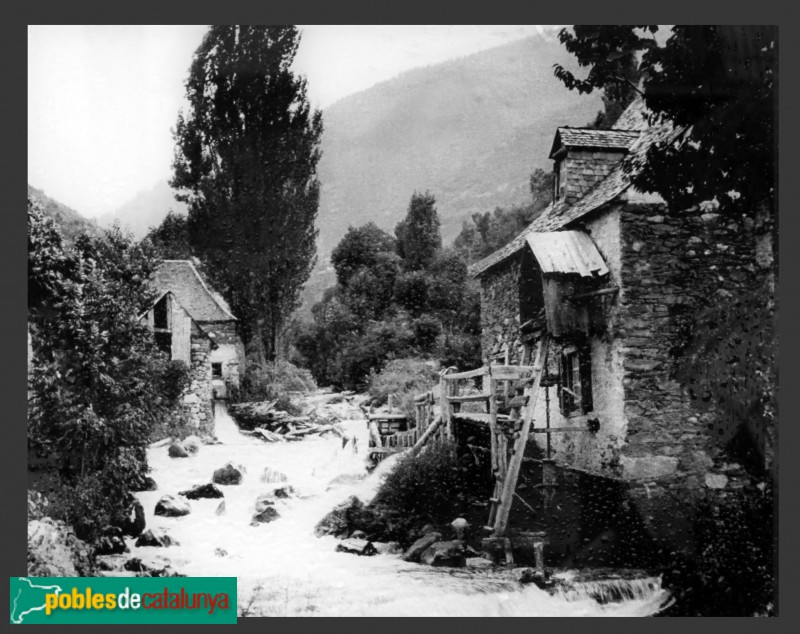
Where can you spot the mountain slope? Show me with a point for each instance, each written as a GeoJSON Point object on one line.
{"type": "Point", "coordinates": [147, 209]}
{"type": "Point", "coordinates": [469, 130]}
{"type": "Point", "coordinates": [68, 220]}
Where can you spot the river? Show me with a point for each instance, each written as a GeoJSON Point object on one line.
{"type": "Point", "coordinates": [284, 570]}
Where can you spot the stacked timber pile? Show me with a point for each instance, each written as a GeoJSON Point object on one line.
{"type": "Point", "coordinates": [263, 420]}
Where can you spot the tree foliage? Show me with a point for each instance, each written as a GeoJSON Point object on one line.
{"type": "Point", "coordinates": [98, 382]}
{"type": "Point", "coordinates": [170, 239]}
{"type": "Point", "coordinates": [418, 235]}
{"type": "Point", "coordinates": [716, 84]}
{"type": "Point", "coordinates": [245, 163]}
{"type": "Point", "coordinates": [360, 247]}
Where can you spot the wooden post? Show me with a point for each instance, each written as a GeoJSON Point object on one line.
{"type": "Point", "coordinates": [444, 404]}
{"type": "Point", "coordinates": [510, 483]}
{"type": "Point", "coordinates": [490, 388]}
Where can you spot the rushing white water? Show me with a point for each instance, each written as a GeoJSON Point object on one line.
{"type": "Point", "coordinates": [284, 570]}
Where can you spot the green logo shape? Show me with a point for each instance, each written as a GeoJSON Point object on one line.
{"type": "Point", "coordinates": [123, 600]}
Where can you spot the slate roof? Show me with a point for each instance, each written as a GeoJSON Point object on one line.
{"type": "Point", "coordinates": [567, 252]}
{"type": "Point", "coordinates": [593, 139]}
{"type": "Point", "coordinates": [182, 279]}
{"type": "Point", "coordinates": [560, 214]}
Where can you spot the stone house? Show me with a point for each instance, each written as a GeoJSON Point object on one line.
{"type": "Point", "coordinates": [609, 272]}
{"type": "Point", "coordinates": [194, 324]}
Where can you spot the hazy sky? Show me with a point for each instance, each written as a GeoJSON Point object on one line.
{"type": "Point", "coordinates": [102, 99]}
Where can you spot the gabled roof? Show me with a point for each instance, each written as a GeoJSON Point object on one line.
{"type": "Point", "coordinates": [560, 214]}
{"type": "Point", "coordinates": [181, 278]}
{"type": "Point", "coordinates": [589, 138]}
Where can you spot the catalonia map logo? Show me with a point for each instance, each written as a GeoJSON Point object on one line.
{"type": "Point", "coordinates": [62, 600]}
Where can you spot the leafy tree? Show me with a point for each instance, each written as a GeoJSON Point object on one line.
{"type": "Point", "coordinates": [360, 247]}
{"type": "Point", "coordinates": [99, 384]}
{"type": "Point", "coordinates": [245, 163]}
{"type": "Point", "coordinates": [716, 83]}
{"type": "Point", "coordinates": [418, 235]}
{"type": "Point", "coordinates": [170, 240]}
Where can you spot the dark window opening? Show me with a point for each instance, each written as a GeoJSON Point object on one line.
{"type": "Point", "coordinates": [164, 342]}
{"type": "Point", "coordinates": [216, 370]}
{"type": "Point", "coordinates": [531, 299]}
{"type": "Point", "coordinates": [575, 390]}
{"type": "Point", "coordinates": [161, 314]}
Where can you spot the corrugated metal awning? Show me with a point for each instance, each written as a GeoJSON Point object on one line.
{"type": "Point", "coordinates": [567, 252]}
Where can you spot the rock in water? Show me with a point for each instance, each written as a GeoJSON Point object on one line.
{"type": "Point", "coordinates": [111, 542]}
{"type": "Point", "coordinates": [388, 548]}
{"type": "Point", "coordinates": [477, 562]}
{"type": "Point", "coordinates": [132, 520]}
{"type": "Point", "coordinates": [159, 539]}
{"type": "Point", "coordinates": [170, 506]}
{"type": "Point", "coordinates": [227, 475]}
{"type": "Point", "coordinates": [263, 501]}
{"type": "Point", "coordinates": [145, 484]}
{"type": "Point", "coordinates": [460, 527]}
{"type": "Point", "coordinates": [338, 522]}
{"type": "Point", "coordinates": [357, 547]}
{"type": "Point", "coordinates": [270, 475]}
{"type": "Point", "coordinates": [420, 546]}
{"type": "Point", "coordinates": [221, 508]}
{"type": "Point", "coordinates": [177, 450]}
{"type": "Point", "coordinates": [268, 514]}
{"type": "Point", "coordinates": [284, 492]}
{"type": "Point", "coordinates": [358, 535]}
{"type": "Point", "coordinates": [203, 491]}
{"type": "Point", "coordinates": [444, 554]}
{"type": "Point", "coordinates": [220, 552]}
{"type": "Point", "coordinates": [192, 444]}
{"type": "Point", "coordinates": [55, 551]}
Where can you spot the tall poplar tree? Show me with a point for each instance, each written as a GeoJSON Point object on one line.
{"type": "Point", "coordinates": [246, 164]}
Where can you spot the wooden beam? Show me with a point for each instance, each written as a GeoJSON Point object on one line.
{"type": "Point", "coordinates": [555, 430]}
{"type": "Point", "coordinates": [428, 433]}
{"type": "Point", "coordinates": [469, 374]}
{"type": "Point", "coordinates": [467, 398]}
{"type": "Point", "coordinates": [479, 417]}
{"type": "Point", "coordinates": [515, 463]}
{"type": "Point", "coordinates": [388, 417]}
{"type": "Point", "coordinates": [510, 372]}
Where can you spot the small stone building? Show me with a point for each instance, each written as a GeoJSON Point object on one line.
{"type": "Point", "coordinates": [194, 324]}
{"type": "Point", "coordinates": [608, 272]}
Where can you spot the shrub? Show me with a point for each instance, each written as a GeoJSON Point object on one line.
{"type": "Point", "coordinates": [405, 379]}
{"type": "Point", "coordinates": [435, 485]}
{"type": "Point", "coordinates": [274, 380]}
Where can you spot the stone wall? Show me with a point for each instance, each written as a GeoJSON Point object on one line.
{"type": "Point", "coordinates": [196, 400]}
{"type": "Point", "coordinates": [230, 350]}
{"type": "Point", "coordinates": [672, 268]}
{"type": "Point", "coordinates": [500, 311]}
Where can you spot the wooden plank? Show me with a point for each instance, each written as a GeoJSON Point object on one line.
{"type": "Point", "coordinates": [469, 374]}
{"type": "Point", "coordinates": [437, 422]}
{"type": "Point", "coordinates": [515, 463]}
{"type": "Point", "coordinates": [510, 372]}
{"type": "Point", "coordinates": [468, 398]}
{"type": "Point", "coordinates": [387, 417]}
{"type": "Point", "coordinates": [555, 430]}
{"type": "Point", "coordinates": [479, 417]}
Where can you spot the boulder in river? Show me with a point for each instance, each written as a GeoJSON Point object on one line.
{"type": "Point", "coordinates": [229, 474]}
{"type": "Point", "coordinates": [266, 515]}
{"type": "Point", "coordinates": [350, 515]}
{"type": "Point", "coordinates": [131, 521]}
{"type": "Point", "coordinates": [358, 534]}
{"type": "Point", "coordinates": [170, 506]}
{"type": "Point", "coordinates": [270, 475]}
{"type": "Point", "coordinates": [477, 562]}
{"type": "Point", "coordinates": [192, 444]}
{"type": "Point", "coordinates": [263, 501]}
{"type": "Point", "coordinates": [156, 538]}
{"type": "Point", "coordinates": [208, 490]}
{"type": "Point", "coordinates": [461, 527]}
{"type": "Point", "coordinates": [284, 492]}
{"type": "Point", "coordinates": [444, 554]}
{"type": "Point", "coordinates": [420, 546]}
{"type": "Point", "coordinates": [177, 450]}
{"type": "Point", "coordinates": [360, 547]}
{"type": "Point", "coordinates": [144, 484]}
{"type": "Point", "coordinates": [388, 548]}
{"type": "Point", "coordinates": [111, 542]}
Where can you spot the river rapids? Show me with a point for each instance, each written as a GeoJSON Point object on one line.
{"type": "Point", "coordinates": [284, 570]}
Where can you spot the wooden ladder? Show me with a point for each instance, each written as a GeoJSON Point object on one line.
{"type": "Point", "coordinates": [508, 474]}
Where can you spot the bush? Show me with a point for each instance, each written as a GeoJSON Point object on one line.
{"type": "Point", "coordinates": [433, 486]}
{"type": "Point", "coordinates": [274, 380]}
{"type": "Point", "coordinates": [405, 379]}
